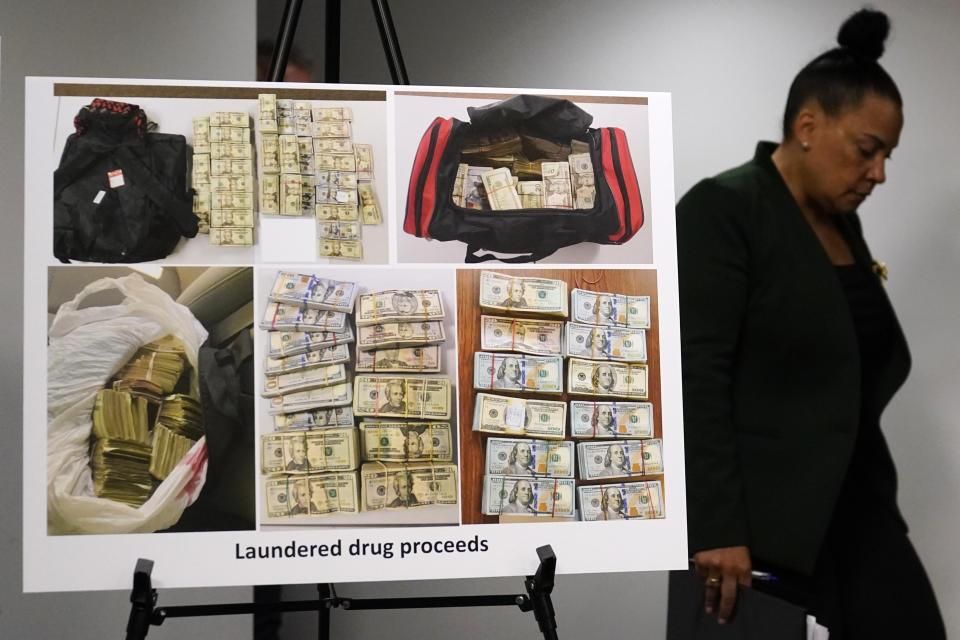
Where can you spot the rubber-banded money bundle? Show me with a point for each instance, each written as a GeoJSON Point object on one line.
{"type": "Point", "coordinates": [415, 397]}
{"type": "Point", "coordinates": [504, 415]}
{"type": "Point", "coordinates": [626, 501]}
{"type": "Point", "coordinates": [530, 457]}
{"type": "Point", "coordinates": [388, 485]}
{"type": "Point", "coordinates": [292, 498]}
{"type": "Point", "coordinates": [518, 495]}
{"type": "Point", "coordinates": [403, 441]}
{"type": "Point", "coordinates": [312, 291]}
{"type": "Point", "coordinates": [621, 459]}
{"type": "Point", "coordinates": [399, 305]}
{"type": "Point", "coordinates": [333, 449]}
{"type": "Point", "coordinates": [610, 419]}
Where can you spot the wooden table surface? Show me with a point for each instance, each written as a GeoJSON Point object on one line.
{"type": "Point", "coordinates": [472, 443]}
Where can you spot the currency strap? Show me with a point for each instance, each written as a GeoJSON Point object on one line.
{"type": "Point", "coordinates": [643, 461]}
{"type": "Point", "coordinates": [379, 454]}
{"type": "Point", "coordinates": [423, 304]}
{"type": "Point", "coordinates": [502, 492]}
{"type": "Point", "coordinates": [376, 312]}
{"type": "Point", "coordinates": [651, 512]}
{"type": "Point", "coordinates": [553, 499]}
{"type": "Point", "coordinates": [493, 368]}
{"type": "Point", "coordinates": [276, 311]}
{"type": "Point", "coordinates": [430, 437]}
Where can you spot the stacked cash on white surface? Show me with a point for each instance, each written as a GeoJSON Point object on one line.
{"type": "Point", "coordinates": [295, 497]}
{"type": "Point", "coordinates": [223, 177]}
{"type": "Point", "coordinates": [390, 485]}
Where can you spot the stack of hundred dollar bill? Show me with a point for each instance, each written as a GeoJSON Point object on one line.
{"type": "Point", "coordinates": [141, 430]}
{"type": "Point", "coordinates": [223, 177]}
{"type": "Point", "coordinates": [496, 173]}
{"type": "Point", "coordinates": [310, 165]}
{"type": "Point", "coordinates": [310, 456]}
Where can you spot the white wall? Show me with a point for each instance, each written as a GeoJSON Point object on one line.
{"type": "Point", "coordinates": [729, 65]}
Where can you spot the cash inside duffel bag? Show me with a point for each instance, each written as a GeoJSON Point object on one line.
{"type": "Point", "coordinates": [120, 192]}
{"type": "Point", "coordinates": [527, 175]}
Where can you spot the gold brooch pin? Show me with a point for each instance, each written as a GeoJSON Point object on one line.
{"type": "Point", "coordinates": [880, 269]}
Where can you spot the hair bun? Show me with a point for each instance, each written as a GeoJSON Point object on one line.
{"type": "Point", "coordinates": [864, 33]}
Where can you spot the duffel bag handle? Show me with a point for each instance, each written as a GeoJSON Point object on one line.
{"type": "Point", "coordinates": [473, 258]}
{"type": "Point", "coordinates": [553, 118]}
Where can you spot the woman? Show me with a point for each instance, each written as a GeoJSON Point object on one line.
{"type": "Point", "coordinates": [790, 352]}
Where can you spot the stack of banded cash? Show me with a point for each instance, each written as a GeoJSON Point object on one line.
{"type": "Point", "coordinates": [496, 174]}
{"type": "Point", "coordinates": [293, 497]}
{"type": "Point", "coordinates": [401, 441]}
{"type": "Point", "coordinates": [525, 295]}
{"type": "Point", "coordinates": [140, 430]}
{"type": "Point", "coordinates": [309, 459]}
{"type": "Point", "coordinates": [623, 459]}
{"type": "Point", "coordinates": [310, 165]}
{"type": "Point", "coordinates": [626, 501]}
{"type": "Point", "coordinates": [389, 485]}
{"type": "Point", "coordinates": [223, 177]}
{"type": "Point", "coordinates": [530, 496]}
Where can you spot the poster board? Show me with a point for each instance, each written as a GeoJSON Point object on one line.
{"type": "Point", "coordinates": [422, 543]}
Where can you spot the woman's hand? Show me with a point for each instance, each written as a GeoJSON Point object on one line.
{"type": "Point", "coordinates": [722, 570]}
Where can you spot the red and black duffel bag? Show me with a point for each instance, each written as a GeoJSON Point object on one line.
{"type": "Point", "coordinates": [431, 211]}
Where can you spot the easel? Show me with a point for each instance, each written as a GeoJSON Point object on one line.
{"type": "Point", "coordinates": [144, 611]}
{"type": "Point", "coordinates": [143, 598]}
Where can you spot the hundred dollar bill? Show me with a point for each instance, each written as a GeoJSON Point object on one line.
{"type": "Point", "coordinates": [340, 179]}
{"type": "Point", "coordinates": [401, 441]}
{"type": "Point", "coordinates": [399, 305]}
{"type": "Point", "coordinates": [424, 359]}
{"type": "Point", "coordinates": [545, 419]}
{"type": "Point", "coordinates": [556, 185]}
{"type": "Point", "coordinates": [525, 457]}
{"type": "Point", "coordinates": [399, 334]}
{"type": "Point", "coordinates": [338, 354]}
{"type": "Point", "coordinates": [293, 497]}
{"type": "Point", "coordinates": [474, 193]}
{"type": "Point", "coordinates": [335, 162]}
{"type": "Point", "coordinates": [309, 290]}
{"type": "Point", "coordinates": [341, 212]}
{"type": "Point", "coordinates": [528, 496]}
{"type": "Point", "coordinates": [230, 119]}
{"type": "Point", "coordinates": [340, 230]}
{"type": "Point", "coordinates": [400, 486]}
{"type": "Point", "coordinates": [611, 379]}
{"type": "Point", "coordinates": [229, 134]}
{"type": "Point", "coordinates": [322, 397]}
{"type": "Point", "coordinates": [610, 309]}
{"type": "Point", "coordinates": [305, 145]}
{"type": "Point", "coordinates": [364, 158]}
{"type": "Point", "coordinates": [626, 501]}
{"type": "Point", "coordinates": [620, 459]}
{"type": "Point", "coordinates": [331, 129]}
{"type": "Point", "coordinates": [231, 200]}
{"type": "Point", "coordinates": [501, 194]}
{"type": "Point", "coordinates": [459, 186]}
{"type": "Point", "coordinates": [531, 194]}
{"type": "Point", "coordinates": [291, 194]}
{"type": "Point", "coordinates": [314, 419]}
{"type": "Point", "coordinates": [293, 343]}
{"type": "Point", "coordinates": [231, 236]}
{"type": "Point", "coordinates": [333, 194]}
{"type": "Point", "coordinates": [232, 183]}
{"type": "Point", "coordinates": [536, 337]}
{"type": "Point", "coordinates": [530, 295]}
{"type": "Point", "coordinates": [402, 397]}
{"type": "Point", "coordinates": [270, 194]}
{"type": "Point", "coordinates": [597, 342]}
{"type": "Point", "coordinates": [231, 218]}
{"type": "Point", "coordinates": [507, 372]}
{"type": "Point", "coordinates": [326, 114]}
{"type": "Point", "coordinates": [323, 376]}
{"type": "Point", "coordinates": [332, 145]}
{"type": "Point", "coordinates": [351, 249]}
{"type": "Point", "coordinates": [231, 167]}
{"type": "Point", "coordinates": [201, 169]}
{"type": "Point", "coordinates": [582, 180]}
{"type": "Point", "coordinates": [333, 449]}
{"type": "Point", "coordinates": [369, 209]}
{"type": "Point", "coordinates": [604, 419]}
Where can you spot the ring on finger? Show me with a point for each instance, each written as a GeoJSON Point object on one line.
{"type": "Point", "coordinates": [714, 581]}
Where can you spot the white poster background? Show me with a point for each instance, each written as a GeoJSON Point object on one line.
{"type": "Point", "coordinates": [97, 562]}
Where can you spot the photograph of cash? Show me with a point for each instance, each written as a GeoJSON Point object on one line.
{"type": "Point", "coordinates": [144, 430]}
{"type": "Point", "coordinates": [500, 162]}
{"type": "Point", "coordinates": [214, 175]}
{"type": "Point", "coordinates": [357, 412]}
{"type": "Point", "coordinates": [559, 374]}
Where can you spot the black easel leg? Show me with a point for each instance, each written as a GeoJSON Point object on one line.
{"type": "Point", "coordinates": [539, 587]}
{"type": "Point", "coordinates": [143, 598]}
{"type": "Point", "coordinates": [323, 614]}
{"type": "Point", "coordinates": [281, 49]}
{"type": "Point", "coordinates": [331, 42]}
{"type": "Point", "coordinates": [391, 46]}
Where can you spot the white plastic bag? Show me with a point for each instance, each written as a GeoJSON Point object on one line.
{"type": "Point", "coordinates": [86, 348]}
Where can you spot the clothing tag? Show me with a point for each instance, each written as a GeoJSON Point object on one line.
{"type": "Point", "coordinates": [116, 178]}
{"type": "Point", "coordinates": [99, 196]}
